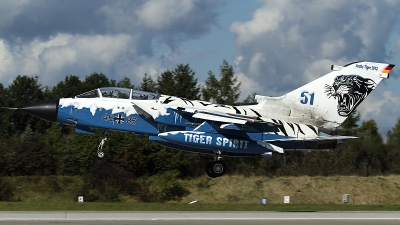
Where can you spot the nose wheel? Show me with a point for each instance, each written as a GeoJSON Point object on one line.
{"type": "Point", "coordinates": [100, 154]}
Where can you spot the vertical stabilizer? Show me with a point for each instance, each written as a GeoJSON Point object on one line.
{"type": "Point", "coordinates": [328, 100]}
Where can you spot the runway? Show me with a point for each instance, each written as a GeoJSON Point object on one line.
{"type": "Point", "coordinates": [220, 218]}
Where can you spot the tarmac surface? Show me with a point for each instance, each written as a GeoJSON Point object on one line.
{"type": "Point", "coordinates": [196, 218]}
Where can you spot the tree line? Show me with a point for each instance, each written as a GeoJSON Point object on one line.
{"type": "Point", "coordinates": [30, 146]}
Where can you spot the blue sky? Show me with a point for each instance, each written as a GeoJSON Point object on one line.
{"type": "Point", "coordinates": [274, 46]}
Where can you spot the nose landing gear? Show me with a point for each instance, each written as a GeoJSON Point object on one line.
{"type": "Point", "coordinates": [104, 137]}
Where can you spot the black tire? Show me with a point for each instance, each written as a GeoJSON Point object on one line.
{"type": "Point", "coordinates": [216, 169]}
{"type": "Point", "coordinates": [209, 172]}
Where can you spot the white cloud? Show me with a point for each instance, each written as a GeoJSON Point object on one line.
{"type": "Point", "coordinates": [238, 58]}
{"type": "Point", "coordinates": [248, 85]}
{"type": "Point", "coordinates": [160, 14]}
{"type": "Point", "coordinates": [374, 105]}
{"type": "Point", "coordinates": [37, 46]}
{"type": "Point", "coordinates": [265, 19]}
{"type": "Point", "coordinates": [256, 63]}
{"type": "Point", "coordinates": [379, 106]}
{"type": "Point", "coordinates": [66, 54]}
{"type": "Point", "coordinates": [6, 60]}
{"type": "Point", "coordinates": [317, 69]}
{"type": "Point", "coordinates": [333, 49]}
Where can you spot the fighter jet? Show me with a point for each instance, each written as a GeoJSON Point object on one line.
{"type": "Point", "coordinates": [301, 119]}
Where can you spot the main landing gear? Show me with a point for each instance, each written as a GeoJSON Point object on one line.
{"type": "Point", "coordinates": [104, 137]}
{"type": "Point", "coordinates": [216, 168]}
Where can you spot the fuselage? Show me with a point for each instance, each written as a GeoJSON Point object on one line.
{"type": "Point", "coordinates": [168, 114]}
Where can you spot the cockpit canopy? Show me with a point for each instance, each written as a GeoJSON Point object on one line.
{"type": "Point", "coordinates": [120, 93]}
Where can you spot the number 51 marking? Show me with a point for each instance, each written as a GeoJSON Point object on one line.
{"type": "Point", "coordinates": [305, 96]}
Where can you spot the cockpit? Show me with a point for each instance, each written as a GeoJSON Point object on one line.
{"type": "Point", "coordinates": [119, 93]}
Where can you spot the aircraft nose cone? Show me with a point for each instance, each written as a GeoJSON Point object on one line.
{"type": "Point", "coordinates": [46, 110]}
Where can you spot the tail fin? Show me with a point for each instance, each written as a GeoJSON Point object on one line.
{"type": "Point", "coordinates": [327, 101]}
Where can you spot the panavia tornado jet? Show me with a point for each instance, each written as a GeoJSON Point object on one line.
{"type": "Point", "coordinates": [301, 119]}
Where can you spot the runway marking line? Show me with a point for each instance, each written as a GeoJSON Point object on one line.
{"type": "Point", "coordinates": [180, 219]}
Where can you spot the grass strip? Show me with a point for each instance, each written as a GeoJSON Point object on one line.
{"type": "Point", "coordinates": [123, 206]}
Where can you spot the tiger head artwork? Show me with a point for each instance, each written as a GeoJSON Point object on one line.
{"type": "Point", "coordinates": [350, 91]}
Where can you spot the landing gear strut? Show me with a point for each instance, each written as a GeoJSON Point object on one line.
{"type": "Point", "coordinates": [216, 168]}
{"type": "Point", "coordinates": [104, 137]}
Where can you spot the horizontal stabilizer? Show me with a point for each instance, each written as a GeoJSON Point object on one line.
{"type": "Point", "coordinates": [271, 147]}
{"type": "Point", "coordinates": [232, 118]}
{"type": "Point", "coordinates": [319, 138]}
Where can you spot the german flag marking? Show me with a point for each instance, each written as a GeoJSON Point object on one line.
{"type": "Point", "coordinates": [388, 68]}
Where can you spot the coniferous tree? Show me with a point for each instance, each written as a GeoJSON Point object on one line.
{"type": "Point", "coordinates": [148, 84]}
{"type": "Point", "coordinates": [393, 135]}
{"type": "Point", "coordinates": [249, 100]}
{"type": "Point", "coordinates": [230, 87]}
{"type": "Point", "coordinates": [96, 80]}
{"type": "Point", "coordinates": [24, 91]}
{"type": "Point", "coordinates": [349, 126]}
{"type": "Point", "coordinates": [27, 134]}
{"type": "Point", "coordinates": [2, 94]}
{"type": "Point", "coordinates": [126, 83]}
{"type": "Point", "coordinates": [4, 125]}
{"type": "Point", "coordinates": [179, 82]}
{"type": "Point", "coordinates": [369, 149]}
{"type": "Point", "coordinates": [185, 83]}
{"type": "Point", "coordinates": [369, 130]}
{"type": "Point", "coordinates": [113, 83]}
{"type": "Point", "coordinates": [393, 145]}
{"type": "Point", "coordinates": [212, 87]}
{"type": "Point", "coordinates": [223, 91]}
{"type": "Point", "coordinates": [70, 87]}
{"type": "Point", "coordinates": [166, 83]}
